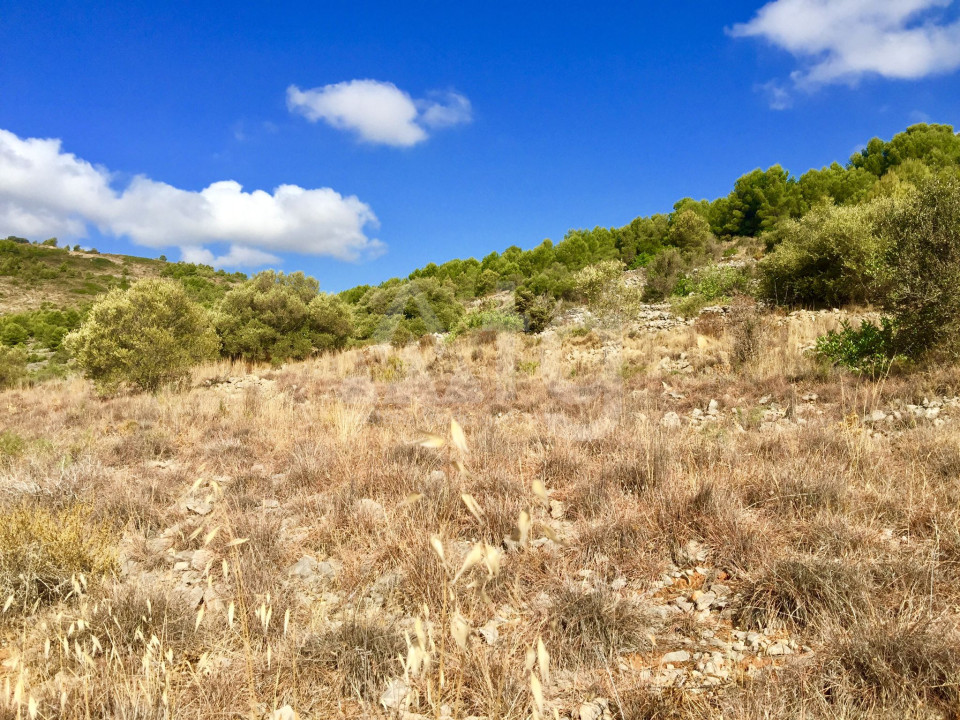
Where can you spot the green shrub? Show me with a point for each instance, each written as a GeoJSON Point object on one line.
{"type": "Point", "coordinates": [923, 259]}
{"type": "Point", "coordinates": [498, 320]}
{"type": "Point", "coordinates": [402, 335]}
{"type": "Point", "coordinates": [146, 337]}
{"type": "Point", "coordinates": [719, 281]}
{"type": "Point", "coordinates": [45, 328]}
{"type": "Point", "coordinates": [423, 305]}
{"type": "Point", "coordinates": [708, 286]}
{"type": "Point", "coordinates": [537, 310]}
{"type": "Point", "coordinates": [275, 317]}
{"type": "Point", "coordinates": [606, 291]}
{"type": "Point", "coordinates": [11, 445]}
{"type": "Point", "coordinates": [13, 366]}
{"type": "Point", "coordinates": [869, 349]}
{"type": "Point", "coordinates": [830, 257]}
{"type": "Point", "coordinates": [663, 274]}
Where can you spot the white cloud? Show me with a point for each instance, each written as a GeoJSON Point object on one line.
{"type": "Point", "coordinates": [841, 41]}
{"type": "Point", "coordinates": [379, 112]}
{"type": "Point", "coordinates": [45, 191]}
{"type": "Point", "coordinates": [450, 108]}
{"type": "Point", "coordinates": [236, 256]}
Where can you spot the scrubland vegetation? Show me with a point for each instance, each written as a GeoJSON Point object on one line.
{"type": "Point", "coordinates": [705, 465]}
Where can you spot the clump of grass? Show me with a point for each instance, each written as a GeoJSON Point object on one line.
{"type": "Point", "coordinates": [590, 625]}
{"type": "Point", "coordinates": [149, 444]}
{"type": "Point", "coordinates": [634, 703]}
{"type": "Point", "coordinates": [44, 554]}
{"type": "Point", "coordinates": [363, 651]}
{"type": "Point", "coordinates": [619, 543]}
{"type": "Point", "coordinates": [11, 445]}
{"type": "Point", "coordinates": [647, 467]}
{"type": "Point", "coordinates": [747, 333]}
{"type": "Point", "coordinates": [804, 593]}
{"type": "Point", "coordinates": [736, 540]}
{"type": "Point", "coordinates": [126, 610]}
{"type": "Point", "coordinates": [897, 665]}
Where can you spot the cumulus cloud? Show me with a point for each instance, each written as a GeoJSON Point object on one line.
{"type": "Point", "coordinates": [842, 41]}
{"type": "Point", "coordinates": [46, 191]}
{"type": "Point", "coordinates": [379, 112]}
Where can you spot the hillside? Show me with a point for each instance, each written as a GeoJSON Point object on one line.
{"type": "Point", "coordinates": [687, 526]}
{"type": "Point", "coordinates": [37, 275]}
{"type": "Point", "coordinates": [722, 483]}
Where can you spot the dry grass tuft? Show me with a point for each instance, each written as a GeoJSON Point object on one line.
{"type": "Point", "coordinates": [805, 593]}
{"type": "Point", "coordinates": [363, 653]}
{"type": "Point", "coordinates": [591, 626]}
{"type": "Point", "coordinates": [896, 666]}
{"type": "Point", "coordinates": [47, 555]}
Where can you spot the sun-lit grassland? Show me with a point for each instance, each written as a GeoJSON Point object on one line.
{"type": "Point", "coordinates": [811, 519]}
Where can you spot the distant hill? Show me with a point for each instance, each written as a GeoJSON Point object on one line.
{"type": "Point", "coordinates": [35, 276]}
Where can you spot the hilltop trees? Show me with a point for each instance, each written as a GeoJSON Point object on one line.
{"type": "Point", "coordinates": [146, 337]}
{"type": "Point", "coordinates": [936, 146]}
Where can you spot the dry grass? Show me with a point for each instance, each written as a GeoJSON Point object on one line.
{"type": "Point", "coordinates": [568, 515]}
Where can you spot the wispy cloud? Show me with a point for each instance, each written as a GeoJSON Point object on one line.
{"type": "Point", "coordinates": [843, 41]}
{"type": "Point", "coordinates": [379, 112]}
{"type": "Point", "coordinates": [46, 191]}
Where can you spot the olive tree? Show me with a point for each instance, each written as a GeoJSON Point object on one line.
{"type": "Point", "coordinates": [275, 317]}
{"type": "Point", "coordinates": [923, 294]}
{"type": "Point", "coordinates": [145, 337]}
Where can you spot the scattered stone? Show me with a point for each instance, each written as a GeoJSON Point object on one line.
{"type": "Point", "coordinates": [780, 648]}
{"type": "Point", "coordinates": [159, 545]}
{"type": "Point", "coordinates": [198, 506]}
{"type": "Point", "coordinates": [677, 656]}
{"type": "Point", "coordinates": [396, 696]}
{"type": "Point", "coordinates": [201, 559]}
{"type": "Point", "coordinates": [597, 709]}
{"type": "Point", "coordinates": [671, 420]}
{"type": "Point", "coordinates": [284, 713]}
{"type": "Point", "coordinates": [489, 632]}
{"type": "Point", "coordinates": [691, 553]}
{"type": "Point", "coordinates": [371, 510]}
{"type": "Point", "coordinates": [305, 568]}
{"type": "Point", "coordinates": [705, 600]}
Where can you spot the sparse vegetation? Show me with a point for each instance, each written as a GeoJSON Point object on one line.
{"type": "Point", "coordinates": [13, 366]}
{"type": "Point", "coordinates": [47, 555]}
{"type": "Point", "coordinates": [627, 518]}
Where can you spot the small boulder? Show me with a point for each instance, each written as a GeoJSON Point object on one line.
{"type": "Point", "coordinates": [671, 421]}
{"type": "Point", "coordinates": [677, 656]}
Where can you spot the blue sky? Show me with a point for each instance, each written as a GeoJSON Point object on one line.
{"type": "Point", "coordinates": [482, 125]}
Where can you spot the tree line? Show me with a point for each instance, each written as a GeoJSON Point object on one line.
{"type": "Point", "coordinates": [883, 228]}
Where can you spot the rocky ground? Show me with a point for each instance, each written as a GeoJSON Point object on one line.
{"type": "Point", "coordinates": [654, 523]}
